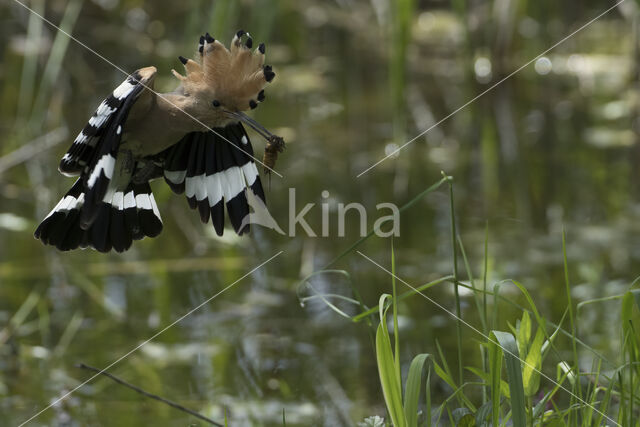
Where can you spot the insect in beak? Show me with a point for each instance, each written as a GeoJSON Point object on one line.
{"type": "Point", "coordinates": [275, 143]}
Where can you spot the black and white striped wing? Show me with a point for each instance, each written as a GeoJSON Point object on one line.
{"type": "Point", "coordinates": [131, 215]}
{"type": "Point", "coordinates": [93, 153]}
{"type": "Point", "coordinates": [214, 169]}
{"type": "Point", "coordinates": [84, 147]}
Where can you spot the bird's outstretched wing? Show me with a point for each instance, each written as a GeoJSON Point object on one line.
{"type": "Point", "coordinates": [87, 215]}
{"type": "Point", "coordinates": [93, 153]}
{"type": "Point", "coordinates": [214, 168]}
{"type": "Point", "coordinates": [132, 215]}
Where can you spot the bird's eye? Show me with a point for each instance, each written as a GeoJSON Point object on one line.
{"type": "Point", "coordinates": [216, 103]}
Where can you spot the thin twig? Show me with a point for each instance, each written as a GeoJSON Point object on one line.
{"type": "Point", "coordinates": [147, 394]}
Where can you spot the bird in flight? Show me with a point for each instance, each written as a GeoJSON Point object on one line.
{"type": "Point", "coordinates": [193, 137]}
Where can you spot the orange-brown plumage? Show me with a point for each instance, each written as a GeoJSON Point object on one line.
{"type": "Point", "coordinates": [216, 87]}
{"type": "Point", "coordinates": [234, 77]}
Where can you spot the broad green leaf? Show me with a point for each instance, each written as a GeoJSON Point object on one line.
{"type": "Point", "coordinates": [627, 313]}
{"type": "Point", "coordinates": [627, 309]}
{"type": "Point", "coordinates": [412, 388]}
{"type": "Point", "coordinates": [555, 422]}
{"type": "Point", "coordinates": [462, 417]}
{"type": "Point", "coordinates": [467, 420]}
{"type": "Point", "coordinates": [483, 413]}
{"type": "Point", "coordinates": [524, 333]}
{"type": "Point", "coordinates": [532, 365]}
{"type": "Point", "coordinates": [636, 295]}
{"type": "Point", "coordinates": [514, 375]}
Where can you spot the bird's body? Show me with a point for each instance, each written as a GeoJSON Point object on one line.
{"type": "Point", "coordinates": [193, 136]}
{"type": "Point", "coordinates": [179, 113]}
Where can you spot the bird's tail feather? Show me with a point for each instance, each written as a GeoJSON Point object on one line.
{"type": "Point", "coordinates": [122, 216]}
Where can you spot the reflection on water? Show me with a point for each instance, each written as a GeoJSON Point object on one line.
{"type": "Point", "coordinates": [553, 148]}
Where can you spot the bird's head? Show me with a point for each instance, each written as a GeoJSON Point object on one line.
{"type": "Point", "coordinates": [226, 82]}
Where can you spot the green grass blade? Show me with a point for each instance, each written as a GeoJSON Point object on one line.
{"type": "Point", "coordinates": [306, 283]}
{"type": "Point", "coordinates": [446, 374]}
{"type": "Point", "coordinates": [564, 369]}
{"type": "Point", "coordinates": [396, 333]}
{"type": "Point", "coordinates": [427, 390]}
{"type": "Point", "coordinates": [476, 295]}
{"type": "Point", "coordinates": [455, 279]}
{"type": "Point", "coordinates": [54, 62]}
{"type": "Point", "coordinates": [534, 309]}
{"type": "Point", "coordinates": [403, 296]}
{"type": "Point", "coordinates": [412, 388]}
{"type": "Point", "coordinates": [484, 278]}
{"type": "Point", "coordinates": [523, 333]}
{"type": "Point", "coordinates": [20, 316]}
{"type": "Point", "coordinates": [401, 13]}
{"type": "Point", "coordinates": [593, 395]}
{"type": "Point", "coordinates": [67, 336]}
{"type": "Point", "coordinates": [30, 65]}
{"type": "Point", "coordinates": [495, 367]}
{"type": "Point", "coordinates": [386, 369]}
{"type": "Point", "coordinates": [604, 406]}
{"type": "Point", "coordinates": [485, 318]}
{"type": "Point", "coordinates": [496, 296]}
{"type": "Point", "coordinates": [570, 306]}
{"type": "Point", "coordinates": [630, 347]}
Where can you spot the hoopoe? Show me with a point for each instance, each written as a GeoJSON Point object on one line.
{"type": "Point", "coordinates": [137, 135]}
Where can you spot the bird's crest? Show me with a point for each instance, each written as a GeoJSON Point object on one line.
{"type": "Point", "coordinates": [234, 77]}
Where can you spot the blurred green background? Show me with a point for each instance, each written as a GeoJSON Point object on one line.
{"type": "Point", "coordinates": [554, 146]}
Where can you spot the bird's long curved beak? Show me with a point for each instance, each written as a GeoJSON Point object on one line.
{"type": "Point", "coordinates": [253, 124]}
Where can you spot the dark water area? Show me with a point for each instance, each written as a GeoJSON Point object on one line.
{"type": "Point", "coordinates": [554, 147]}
